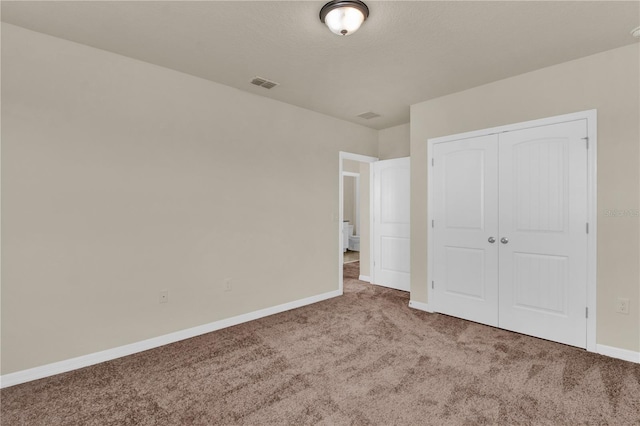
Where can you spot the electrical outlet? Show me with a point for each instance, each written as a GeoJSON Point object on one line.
{"type": "Point", "coordinates": [622, 306]}
{"type": "Point", "coordinates": [227, 284]}
{"type": "Point", "coordinates": [164, 296]}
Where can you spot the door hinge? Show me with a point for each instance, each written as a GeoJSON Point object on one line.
{"type": "Point", "coordinates": [433, 223]}
{"type": "Point", "coordinates": [432, 285]}
{"type": "Point", "coordinates": [586, 312]}
{"type": "Point", "coordinates": [587, 227]}
{"type": "Point", "coordinates": [586, 139]}
{"type": "Point", "coordinates": [433, 162]}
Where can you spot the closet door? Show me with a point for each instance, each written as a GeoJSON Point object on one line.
{"type": "Point", "coordinates": [465, 186]}
{"type": "Point", "coordinates": [543, 235]}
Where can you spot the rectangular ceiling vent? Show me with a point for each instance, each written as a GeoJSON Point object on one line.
{"type": "Point", "coordinates": [368, 115]}
{"type": "Point", "coordinates": [263, 82]}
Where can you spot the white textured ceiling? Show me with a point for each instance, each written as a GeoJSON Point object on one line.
{"type": "Point", "coordinates": [406, 52]}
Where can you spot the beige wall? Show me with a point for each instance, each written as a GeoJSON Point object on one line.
{"type": "Point", "coordinates": [394, 142]}
{"type": "Point", "coordinates": [351, 166]}
{"type": "Point", "coordinates": [121, 179]}
{"type": "Point", "coordinates": [349, 202]}
{"type": "Point", "coordinates": [608, 82]}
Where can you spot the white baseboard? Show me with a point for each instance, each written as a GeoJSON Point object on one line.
{"type": "Point", "coordinates": [364, 278]}
{"type": "Point", "coordinates": [420, 306]}
{"type": "Point", "coordinates": [614, 352]}
{"type": "Point", "coordinates": [52, 369]}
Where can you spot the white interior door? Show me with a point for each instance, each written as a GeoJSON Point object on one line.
{"type": "Point", "coordinates": [543, 219]}
{"type": "Point", "coordinates": [527, 189]}
{"type": "Point", "coordinates": [391, 248]}
{"type": "Point", "coordinates": [465, 185]}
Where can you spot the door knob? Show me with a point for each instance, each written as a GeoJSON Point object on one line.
{"type": "Point", "coordinates": [491, 240]}
{"type": "Point", "coordinates": [504, 240]}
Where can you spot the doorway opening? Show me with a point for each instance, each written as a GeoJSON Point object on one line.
{"type": "Point", "coordinates": [354, 218]}
{"type": "Point", "coordinates": [351, 213]}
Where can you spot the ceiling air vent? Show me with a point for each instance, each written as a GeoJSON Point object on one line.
{"type": "Point", "coordinates": [368, 115]}
{"type": "Point", "coordinates": [263, 82]}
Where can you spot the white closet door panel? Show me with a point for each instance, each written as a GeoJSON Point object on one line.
{"type": "Point", "coordinates": [467, 281]}
{"type": "Point", "coordinates": [391, 248]}
{"type": "Point", "coordinates": [466, 215]}
{"type": "Point", "coordinates": [543, 205]}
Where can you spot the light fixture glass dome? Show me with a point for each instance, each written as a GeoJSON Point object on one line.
{"type": "Point", "coordinates": [344, 20]}
{"type": "Point", "coordinates": [344, 17]}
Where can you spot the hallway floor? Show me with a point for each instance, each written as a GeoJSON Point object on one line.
{"type": "Point", "coordinates": [351, 256]}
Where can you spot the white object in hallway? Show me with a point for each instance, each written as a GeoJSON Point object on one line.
{"type": "Point", "coordinates": [354, 243]}
{"type": "Point", "coordinates": [391, 242]}
{"type": "Point", "coordinates": [347, 231]}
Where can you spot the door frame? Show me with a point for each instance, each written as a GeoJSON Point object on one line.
{"type": "Point", "coordinates": [342, 155]}
{"type": "Point", "coordinates": [592, 208]}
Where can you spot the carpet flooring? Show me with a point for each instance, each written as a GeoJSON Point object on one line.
{"type": "Point", "coordinates": [361, 359]}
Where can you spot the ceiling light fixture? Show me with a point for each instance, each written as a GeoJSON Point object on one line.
{"type": "Point", "coordinates": [636, 32]}
{"type": "Point", "coordinates": [344, 17]}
